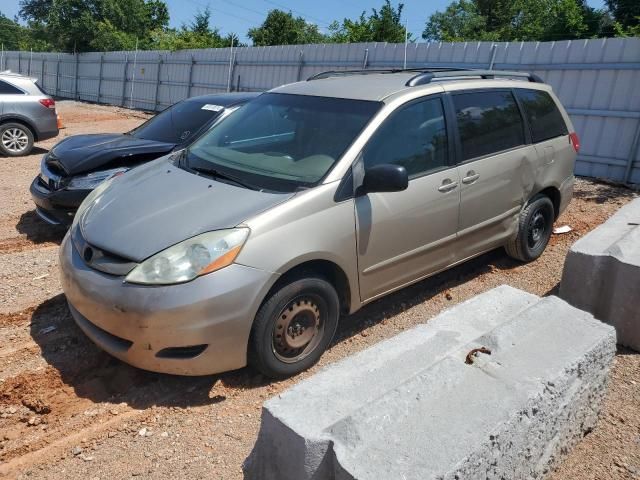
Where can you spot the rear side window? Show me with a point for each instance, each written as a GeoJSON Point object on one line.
{"type": "Point", "coordinates": [414, 137]}
{"type": "Point", "coordinates": [7, 89]}
{"type": "Point", "coordinates": [488, 122]}
{"type": "Point", "coordinates": [545, 120]}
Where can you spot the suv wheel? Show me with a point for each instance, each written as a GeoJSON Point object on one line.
{"type": "Point", "coordinates": [294, 327]}
{"type": "Point", "coordinates": [15, 139]}
{"type": "Point", "coordinates": [534, 230]}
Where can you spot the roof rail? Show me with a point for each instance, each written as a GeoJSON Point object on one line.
{"type": "Point", "coordinates": [428, 77]}
{"type": "Point", "coordinates": [369, 71]}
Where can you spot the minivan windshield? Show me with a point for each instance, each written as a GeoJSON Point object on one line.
{"type": "Point", "coordinates": [281, 141]}
{"type": "Point", "coordinates": [178, 123]}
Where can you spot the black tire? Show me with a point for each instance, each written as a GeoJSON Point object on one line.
{"type": "Point", "coordinates": [534, 230]}
{"type": "Point", "coordinates": [16, 139]}
{"type": "Point", "coordinates": [315, 308]}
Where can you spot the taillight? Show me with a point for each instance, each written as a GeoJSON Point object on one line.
{"type": "Point", "coordinates": [575, 141]}
{"type": "Point", "coordinates": [48, 102]}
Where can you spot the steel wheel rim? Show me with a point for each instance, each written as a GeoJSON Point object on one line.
{"type": "Point", "coordinates": [15, 140]}
{"type": "Point", "coordinates": [537, 230]}
{"type": "Point", "coordinates": [298, 329]}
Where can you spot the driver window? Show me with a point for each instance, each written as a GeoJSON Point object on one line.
{"type": "Point", "coordinates": [414, 137]}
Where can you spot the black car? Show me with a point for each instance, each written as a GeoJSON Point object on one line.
{"type": "Point", "coordinates": [78, 164]}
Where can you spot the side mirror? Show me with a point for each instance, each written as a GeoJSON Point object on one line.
{"type": "Point", "coordinates": [384, 178]}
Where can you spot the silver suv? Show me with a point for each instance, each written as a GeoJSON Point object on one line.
{"type": "Point", "coordinates": [27, 114]}
{"type": "Point", "coordinates": [313, 200]}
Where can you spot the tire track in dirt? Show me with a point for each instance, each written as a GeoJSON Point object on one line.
{"type": "Point", "coordinates": [22, 244]}
{"type": "Point", "coordinates": [75, 392]}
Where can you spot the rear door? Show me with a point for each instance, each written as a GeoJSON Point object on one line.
{"type": "Point", "coordinates": [403, 236]}
{"type": "Point", "coordinates": [10, 99]}
{"type": "Point", "coordinates": [496, 162]}
{"type": "Point", "coordinates": [549, 134]}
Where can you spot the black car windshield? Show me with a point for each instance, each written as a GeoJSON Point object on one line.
{"type": "Point", "coordinates": [178, 123]}
{"type": "Point", "coordinates": [282, 141]}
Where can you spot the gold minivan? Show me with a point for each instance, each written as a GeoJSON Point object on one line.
{"type": "Point", "coordinates": [313, 199]}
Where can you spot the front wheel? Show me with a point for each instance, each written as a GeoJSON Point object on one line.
{"type": "Point", "coordinates": [293, 327]}
{"type": "Point", "coordinates": [534, 230]}
{"type": "Point", "coordinates": [15, 139]}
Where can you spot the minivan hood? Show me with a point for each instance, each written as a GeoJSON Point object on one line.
{"type": "Point", "coordinates": [84, 153]}
{"type": "Point", "coordinates": [158, 205]}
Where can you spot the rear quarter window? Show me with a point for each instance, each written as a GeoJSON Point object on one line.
{"type": "Point", "coordinates": [488, 122]}
{"type": "Point", "coordinates": [545, 120]}
{"type": "Point", "coordinates": [8, 89]}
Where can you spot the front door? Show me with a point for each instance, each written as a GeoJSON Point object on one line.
{"type": "Point", "coordinates": [404, 236]}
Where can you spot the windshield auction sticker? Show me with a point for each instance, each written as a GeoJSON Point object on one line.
{"type": "Point", "coordinates": [213, 108]}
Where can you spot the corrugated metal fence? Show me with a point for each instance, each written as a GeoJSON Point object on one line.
{"type": "Point", "coordinates": [597, 80]}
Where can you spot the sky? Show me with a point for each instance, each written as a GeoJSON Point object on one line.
{"type": "Point", "coordinates": [239, 15]}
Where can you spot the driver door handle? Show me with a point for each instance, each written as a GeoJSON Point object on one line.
{"type": "Point", "coordinates": [471, 177]}
{"type": "Point", "coordinates": [447, 185]}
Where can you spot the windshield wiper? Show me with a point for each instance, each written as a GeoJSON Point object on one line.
{"type": "Point", "coordinates": [212, 172]}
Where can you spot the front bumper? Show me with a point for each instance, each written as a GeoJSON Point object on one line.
{"type": "Point", "coordinates": [137, 323]}
{"type": "Point", "coordinates": [56, 207]}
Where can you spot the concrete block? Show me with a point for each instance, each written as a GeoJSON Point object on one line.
{"type": "Point", "coordinates": [411, 408]}
{"type": "Point", "coordinates": [602, 274]}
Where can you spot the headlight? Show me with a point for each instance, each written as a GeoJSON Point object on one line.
{"type": "Point", "coordinates": [187, 260]}
{"type": "Point", "coordinates": [89, 199]}
{"type": "Point", "coordinates": [92, 180]}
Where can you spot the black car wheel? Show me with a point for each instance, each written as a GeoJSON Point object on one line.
{"type": "Point", "coordinates": [15, 139]}
{"type": "Point", "coordinates": [534, 230]}
{"type": "Point", "coordinates": [293, 327]}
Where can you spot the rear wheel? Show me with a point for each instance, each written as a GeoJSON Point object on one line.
{"type": "Point", "coordinates": [15, 139]}
{"type": "Point", "coordinates": [534, 230]}
{"type": "Point", "coordinates": [294, 327]}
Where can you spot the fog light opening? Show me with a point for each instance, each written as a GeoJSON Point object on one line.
{"type": "Point", "coordinates": [191, 351]}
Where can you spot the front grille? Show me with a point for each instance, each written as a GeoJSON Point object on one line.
{"type": "Point", "coordinates": [100, 259]}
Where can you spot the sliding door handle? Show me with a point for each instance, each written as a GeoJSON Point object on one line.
{"type": "Point", "coordinates": [447, 185]}
{"type": "Point", "coordinates": [471, 177]}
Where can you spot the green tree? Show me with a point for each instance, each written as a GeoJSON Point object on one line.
{"type": "Point", "coordinates": [198, 34]}
{"type": "Point", "coordinates": [11, 33]}
{"type": "Point", "coordinates": [515, 20]}
{"type": "Point", "coordinates": [625, 12]}
{"type": "Point", "coordinates": [459, 22]}
{"type": "Point", "coordinates": [85, 25]}
{"type": "Point", "coordinates": [384, 25]}
{"type": "Point", "coordinates": [282, 28]}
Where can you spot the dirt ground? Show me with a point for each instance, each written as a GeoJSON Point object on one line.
{"type": "Point", "coordinates": [67, 410]}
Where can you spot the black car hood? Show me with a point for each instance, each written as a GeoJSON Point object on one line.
{"type": "Point", "coordinates": [85, 153]}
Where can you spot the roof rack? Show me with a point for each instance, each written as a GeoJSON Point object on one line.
{"type": "Point", "coordinates": [427, 75]}
{"type": "Point", "coordinates": [369, 71]}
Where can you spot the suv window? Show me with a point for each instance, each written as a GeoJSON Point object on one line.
{"type": "Point", "coordinates": [545, 120]}
{"type": "Point", "coordinates": [488, 122]}
{"type": "Point", "coordinates": [8, 89]}
{"type": "Point", "coordinates": [414, 137]}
